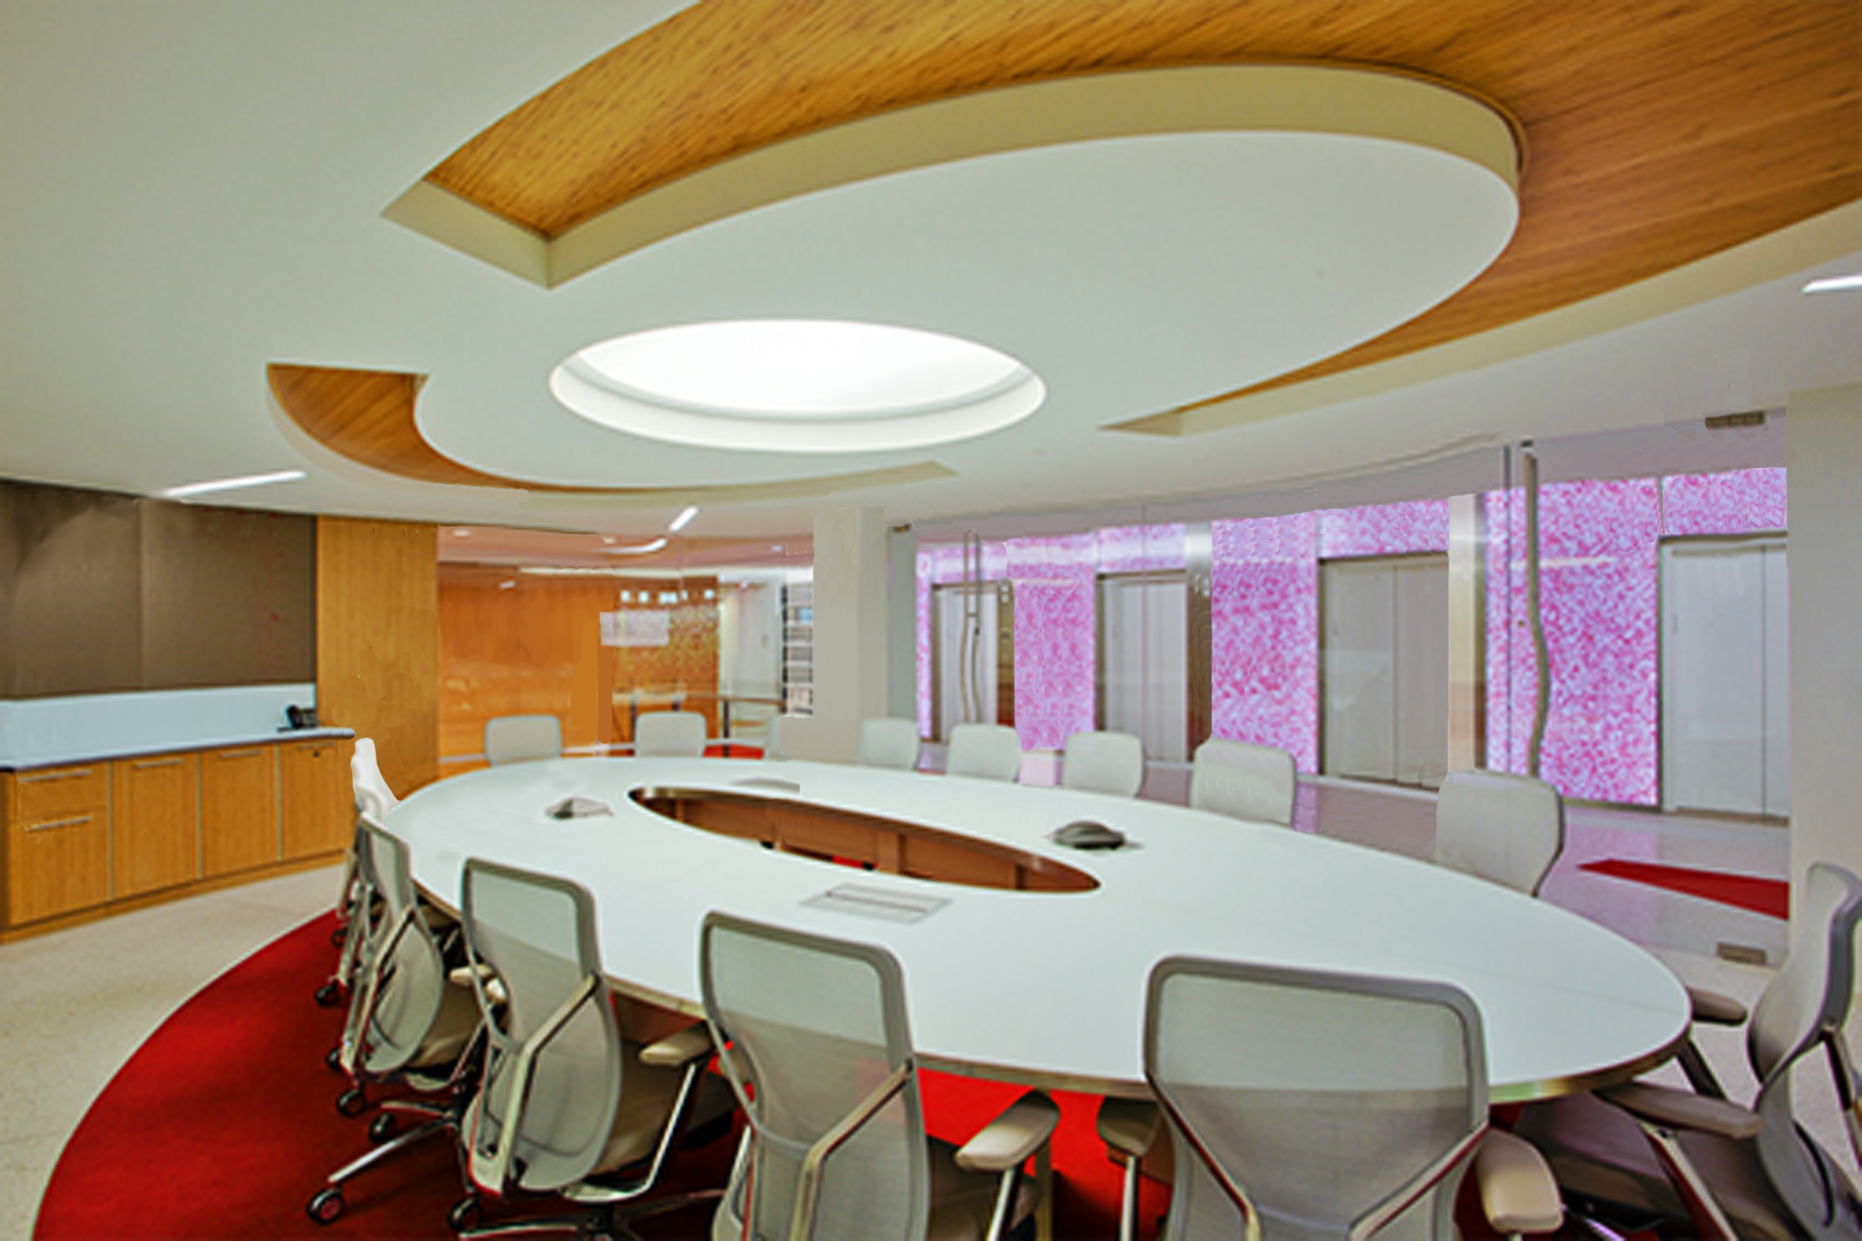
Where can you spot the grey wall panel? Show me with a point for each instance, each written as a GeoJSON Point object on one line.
{"type": "Point", "coordinates": [104, 593]}
{"type": "Point", "coordinates": [227, 596]}
{"type": "Point", "coordinates": [74, 598]}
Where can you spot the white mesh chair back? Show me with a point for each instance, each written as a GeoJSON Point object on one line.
{"type": "Point", "coordinates": [1103, 762]}
{"type": "Point", "coordinates": [522, 738]}
{"type": "Point", "coordinates": [397, 995]}
{"type": "Point", "coordinates": [984, 752]}
{"type": "Point", "coordinates": [670, 734]}
{"type": "Point", "coordinates": [1339, 1106]}
{"type": "Point", "coordinates": [1505, 828]}
{"type": "Point", "coordinates": [817, 1026]}
{"type": "Point", "coordinates": [1806, 1005]}
{"type": "Point", "coordinates": [537, 934]}
{"type": "Point", "coordinates": [1244, 781]}
{"type": "Point", "coordinates": [373, 796]}
{"type": "Point", "coordinates": [772, 737]}
{"type": "Point", "coordinates": [888, 743]}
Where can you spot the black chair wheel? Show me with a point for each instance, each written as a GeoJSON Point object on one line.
{"type": "Point", "coordinates": [326, 1205]}
{"type": "Point", "coordinates": [352, 1102]}
{"type": "Point", "coordinates": [383, 1127]}
{"type": "Point", "coordinates": [338, 934]}
{"type": "Point", "coordinates": [333, 1059]}
{"type": "Point", "coordinates": [329, 995]}
{"type": "Point", "coordinates": [466, 1214]}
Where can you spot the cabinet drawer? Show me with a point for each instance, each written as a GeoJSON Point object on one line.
{"type": "Point", "coordinates": [54, 791]}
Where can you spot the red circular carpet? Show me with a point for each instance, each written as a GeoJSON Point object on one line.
{"type": "Point", "coordinates": [223, 1124]}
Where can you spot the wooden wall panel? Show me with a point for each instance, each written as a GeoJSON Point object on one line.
{"type": "Point", "coordinates": [515, 643]}
{"type": "Point", "coordinates": [378, 641]}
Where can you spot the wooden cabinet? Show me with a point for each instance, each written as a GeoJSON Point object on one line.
{"type": "Point", "coordinates": [82, 839]}
{"type": "Point", "coordinates": [155, 822]}
{"type": "Point", "coordinates": [239, 809]}
{"type": "Point", "coordinates": [58, 841]}
{"type": "Point", "coordinates": [316, 800]}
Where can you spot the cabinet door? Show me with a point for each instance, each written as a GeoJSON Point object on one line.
{"type": "Point", "coordinates": [317, 802]}
{"type": "Point", "coordinates": [155, 824]}
{"type": "Point", "coordinates": [238, 809]}
{"type": "Point", "coordinates": [58, 865]}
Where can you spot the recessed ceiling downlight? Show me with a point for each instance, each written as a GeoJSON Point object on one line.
{"type": "Point", "coordinates": [797, 385]}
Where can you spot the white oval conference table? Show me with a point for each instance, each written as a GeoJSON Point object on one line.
{"type": "Point", "coordinates": [1047, 987]}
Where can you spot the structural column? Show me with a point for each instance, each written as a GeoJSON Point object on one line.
{"type": "Point", "coordinates": [851, 675]}
{"type": "Point", "coordinates": [1825, 520]}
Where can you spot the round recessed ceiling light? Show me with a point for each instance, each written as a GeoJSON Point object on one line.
{"type": "Point", "coordinates": [797, 385]}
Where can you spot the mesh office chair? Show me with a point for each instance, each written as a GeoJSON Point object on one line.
{"type": "Point", "coordinates": [373, 800]}
{"type": "Point", "coordinates": [568, 1104]}
{"type": "Point", "coordinates": [407, 1022]}
{"type": "Point", "coordinates": [1313, 1105]}
{"type": "Point", "coordinates": [1505, 828]}
{"type": "Point", "coordinates": [1732, 1171]}
{"type": "Point", "coordinates": [522, 738]}
{"type": "Point", "coordinates": [1243, 781]}
{"type": "Point", "coordinates": [888, 743]}
{"type": "Point", "coordinates": [1103, 762]}
{"type": "Point", "coordinates": [822, 1063]}
{"type": "Point", "coordinates": [984, 752]}
{"type": "Point", "coordinates": [669, 734]}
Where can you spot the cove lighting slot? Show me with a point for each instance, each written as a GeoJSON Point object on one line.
{"type": "Point", "coordinates": [231, 484]}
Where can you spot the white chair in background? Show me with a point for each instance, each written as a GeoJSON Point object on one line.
{"type": "Point", "coordinates": [888, 743]}
{"type": "Point", "coordinates": [984, 752]}
{"type": "Point", "coordinates": [1103, 762]}
{"type": "Point", "coordinates": [1501, 827]}
{"type": "Point", "coordinates": [669, 734]}
{"type": "Point", "coordinates": [772, 736]}
{"type": "Point", "coordinates": [522, 738]}
{"type": "Point", "coordinates": [373, 796]}
{"type": "Point", "coordinates": [1243, 781]}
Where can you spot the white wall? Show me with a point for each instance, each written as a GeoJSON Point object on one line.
{"type": "Point", "coordinates": [1825, 520]}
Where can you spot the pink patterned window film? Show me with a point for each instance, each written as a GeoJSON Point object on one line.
{"type": "Point", "coordinates": [1264, 648]}
{"type": "Point", "coordinates": [1600, 565]}
{"type": "Point", "coordinates": [1384, 529]}
{"type": "Point", "coordinates": [1140, 549]}
{"type": "Point", "coordinates": [1737, 502]}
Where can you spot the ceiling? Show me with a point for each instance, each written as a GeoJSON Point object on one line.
{"type": "Point", "coordinates": [193, 194]}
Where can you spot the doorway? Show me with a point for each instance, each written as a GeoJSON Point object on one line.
{"type": "Point", "coordinates": [1144, 661]}
{"type": "Point", "coordinates": [1726, 677]}
{"type": "Point", "coordinates": [972, 655]}
{"type": "Point", "coordinates": [1383, 662]}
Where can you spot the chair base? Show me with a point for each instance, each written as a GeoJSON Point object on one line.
{"type": "Point", "coordinates": [605, 1220]}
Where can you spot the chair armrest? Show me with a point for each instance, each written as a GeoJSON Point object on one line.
{"type": "Point", "coordinates": [1130, 1126]}
{"type": "Point", "coordinates": [689, 1044]}
{"type": "Point", "coordinates": [462, 976]}
{"type": "Point", "coordinates": [1679, 1109]}
{"type": "Point", "coordinates": [1010, 1138]}
{"type": "Point", "coordinates": [1517, 1190]}
{"type": "Point", "coordinates": [1716, 1009]}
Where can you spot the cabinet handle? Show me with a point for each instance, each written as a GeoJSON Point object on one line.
{"type": "Point", "coordinates": [157, 762]}
{"type": "Point", "coordinates": [240, 753]}
{"type": "Point", "coordinates": [49, 776]}
{"type": "Point", "coordinates": [50, 824]}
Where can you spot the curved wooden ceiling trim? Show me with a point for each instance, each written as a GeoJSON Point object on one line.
{"type": "Point", "coordinates": [1658, 135]}
{"type": "Point", "coordinates": [367, 417]}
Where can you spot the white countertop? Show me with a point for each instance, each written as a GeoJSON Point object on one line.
{"type": "Point", "coordinates": [1048, 987]}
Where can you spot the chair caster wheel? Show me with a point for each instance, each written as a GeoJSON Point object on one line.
{"type": "Point", "coordinates": [326, 1205]}
{"type": "Point", "coordinates": [338, 935]}
{"type": "Point", "coordinates": [333, 1059]}
{"type": "Point", "coordinates": [383, 1127]}
{"type": "Point", "coordinates": [329, 995]}
{"type": "Point", "coordinates": [466, 1214]}
{"type": "Point", "coordinates": [352, 1102]}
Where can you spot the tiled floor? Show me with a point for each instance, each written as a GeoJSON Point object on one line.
{"type": "Point", "coordinates": [74, 1005]}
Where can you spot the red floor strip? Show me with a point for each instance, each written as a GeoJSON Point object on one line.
{"type": "Point", "coordinates": [1761, 896]}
